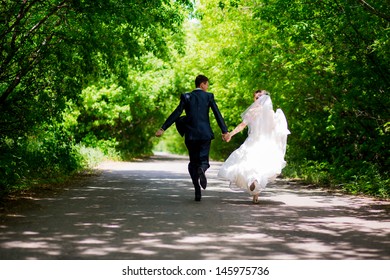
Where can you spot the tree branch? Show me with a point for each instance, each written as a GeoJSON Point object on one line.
{"type": "Point", "coordinates": [371, 9]}
{"type": "Point", "coordinates": [35, 56]}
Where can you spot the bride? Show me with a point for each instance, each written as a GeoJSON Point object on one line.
{"type": "Point", "coordinates": [261, 157]}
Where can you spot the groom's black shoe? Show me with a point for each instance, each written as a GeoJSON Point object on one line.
{"type": "Point", "coordinates": [202, 178]}
{"type": "Point", "coordinates": [198, 197]}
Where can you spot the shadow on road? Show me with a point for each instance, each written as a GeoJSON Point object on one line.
{"type": "Point", "coordinates": [145, 210]}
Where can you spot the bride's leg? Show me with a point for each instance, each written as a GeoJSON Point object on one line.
{"type": "Point", "coordinates": [256, 198]}
{"type": "Point", "coordinates": [252, 187]}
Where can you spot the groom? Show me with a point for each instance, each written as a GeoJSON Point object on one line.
{"type": "Point", "coordinates": [198, 133]}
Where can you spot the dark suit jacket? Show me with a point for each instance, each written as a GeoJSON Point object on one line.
{"type": "Point", "coordinates": [197, 105]}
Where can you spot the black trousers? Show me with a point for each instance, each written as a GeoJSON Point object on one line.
{"type": "Point", "coordinates": [198, 151]}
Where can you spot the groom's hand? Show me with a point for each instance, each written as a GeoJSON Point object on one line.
{"type": "Point", "coordinates": [159, 132]}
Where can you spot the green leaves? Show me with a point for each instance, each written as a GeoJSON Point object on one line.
{"type": "Point", "coordinates": [325, 65]}
{"type": "Point", "coordinates": [50, 50]}
{"type": "Point", "coordinates": [109, 72]}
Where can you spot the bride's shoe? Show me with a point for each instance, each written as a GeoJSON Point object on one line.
{"type": "Point", "coordinates": [256, 199]}
{"type": "Point", "coordinates": [252, 186]}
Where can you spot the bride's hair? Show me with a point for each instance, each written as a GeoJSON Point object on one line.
{"type": "Point", "coordinates": [263, 91]}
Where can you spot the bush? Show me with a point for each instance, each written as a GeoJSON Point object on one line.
{"type": "Point", "coordinates": [46, 155]}
{"type": "Point", "coordinates": [361, 178]}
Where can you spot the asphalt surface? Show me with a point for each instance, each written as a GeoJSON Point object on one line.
{"type": "Point", "coordinates": [145, 210]}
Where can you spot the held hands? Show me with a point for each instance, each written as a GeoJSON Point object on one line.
{"type": "Point", "coordinates": [226, 137]}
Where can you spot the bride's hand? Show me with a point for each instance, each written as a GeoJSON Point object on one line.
{"type": "Point", "coordinates": [229, 138]}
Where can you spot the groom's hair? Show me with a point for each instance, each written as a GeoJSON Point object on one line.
{"type": "Point", "coordinates": [200, 79]}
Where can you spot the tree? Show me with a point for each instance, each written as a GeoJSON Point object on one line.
{"type": "Point", "coordinates": [336, 49]}
{"type": "Point", "coordinates": [325, 64]}
{"type": "Point", "coordinates": [51, 49]}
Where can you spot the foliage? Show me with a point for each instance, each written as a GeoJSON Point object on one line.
{"type": "Point", "coordinates": [79, 78]}
{"type": "Point", "coordinates": [341, 79]}
{"type": "Point", "coordinates": [124, 115]}
{"type": "Point", "coordinates": [91, 157]}
{"type": "Point", "coordinates": [325, 64]}
{"type": "Point", "coordinates": [50, 50]}
{"type": "Point", "coordinates": [47, 154]}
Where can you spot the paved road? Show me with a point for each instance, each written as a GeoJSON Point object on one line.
{"type": "Point", "coordinates": [145, 210]}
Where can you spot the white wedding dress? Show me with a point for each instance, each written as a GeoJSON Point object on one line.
{"type": "Point", "coordinates": [261, 157]}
